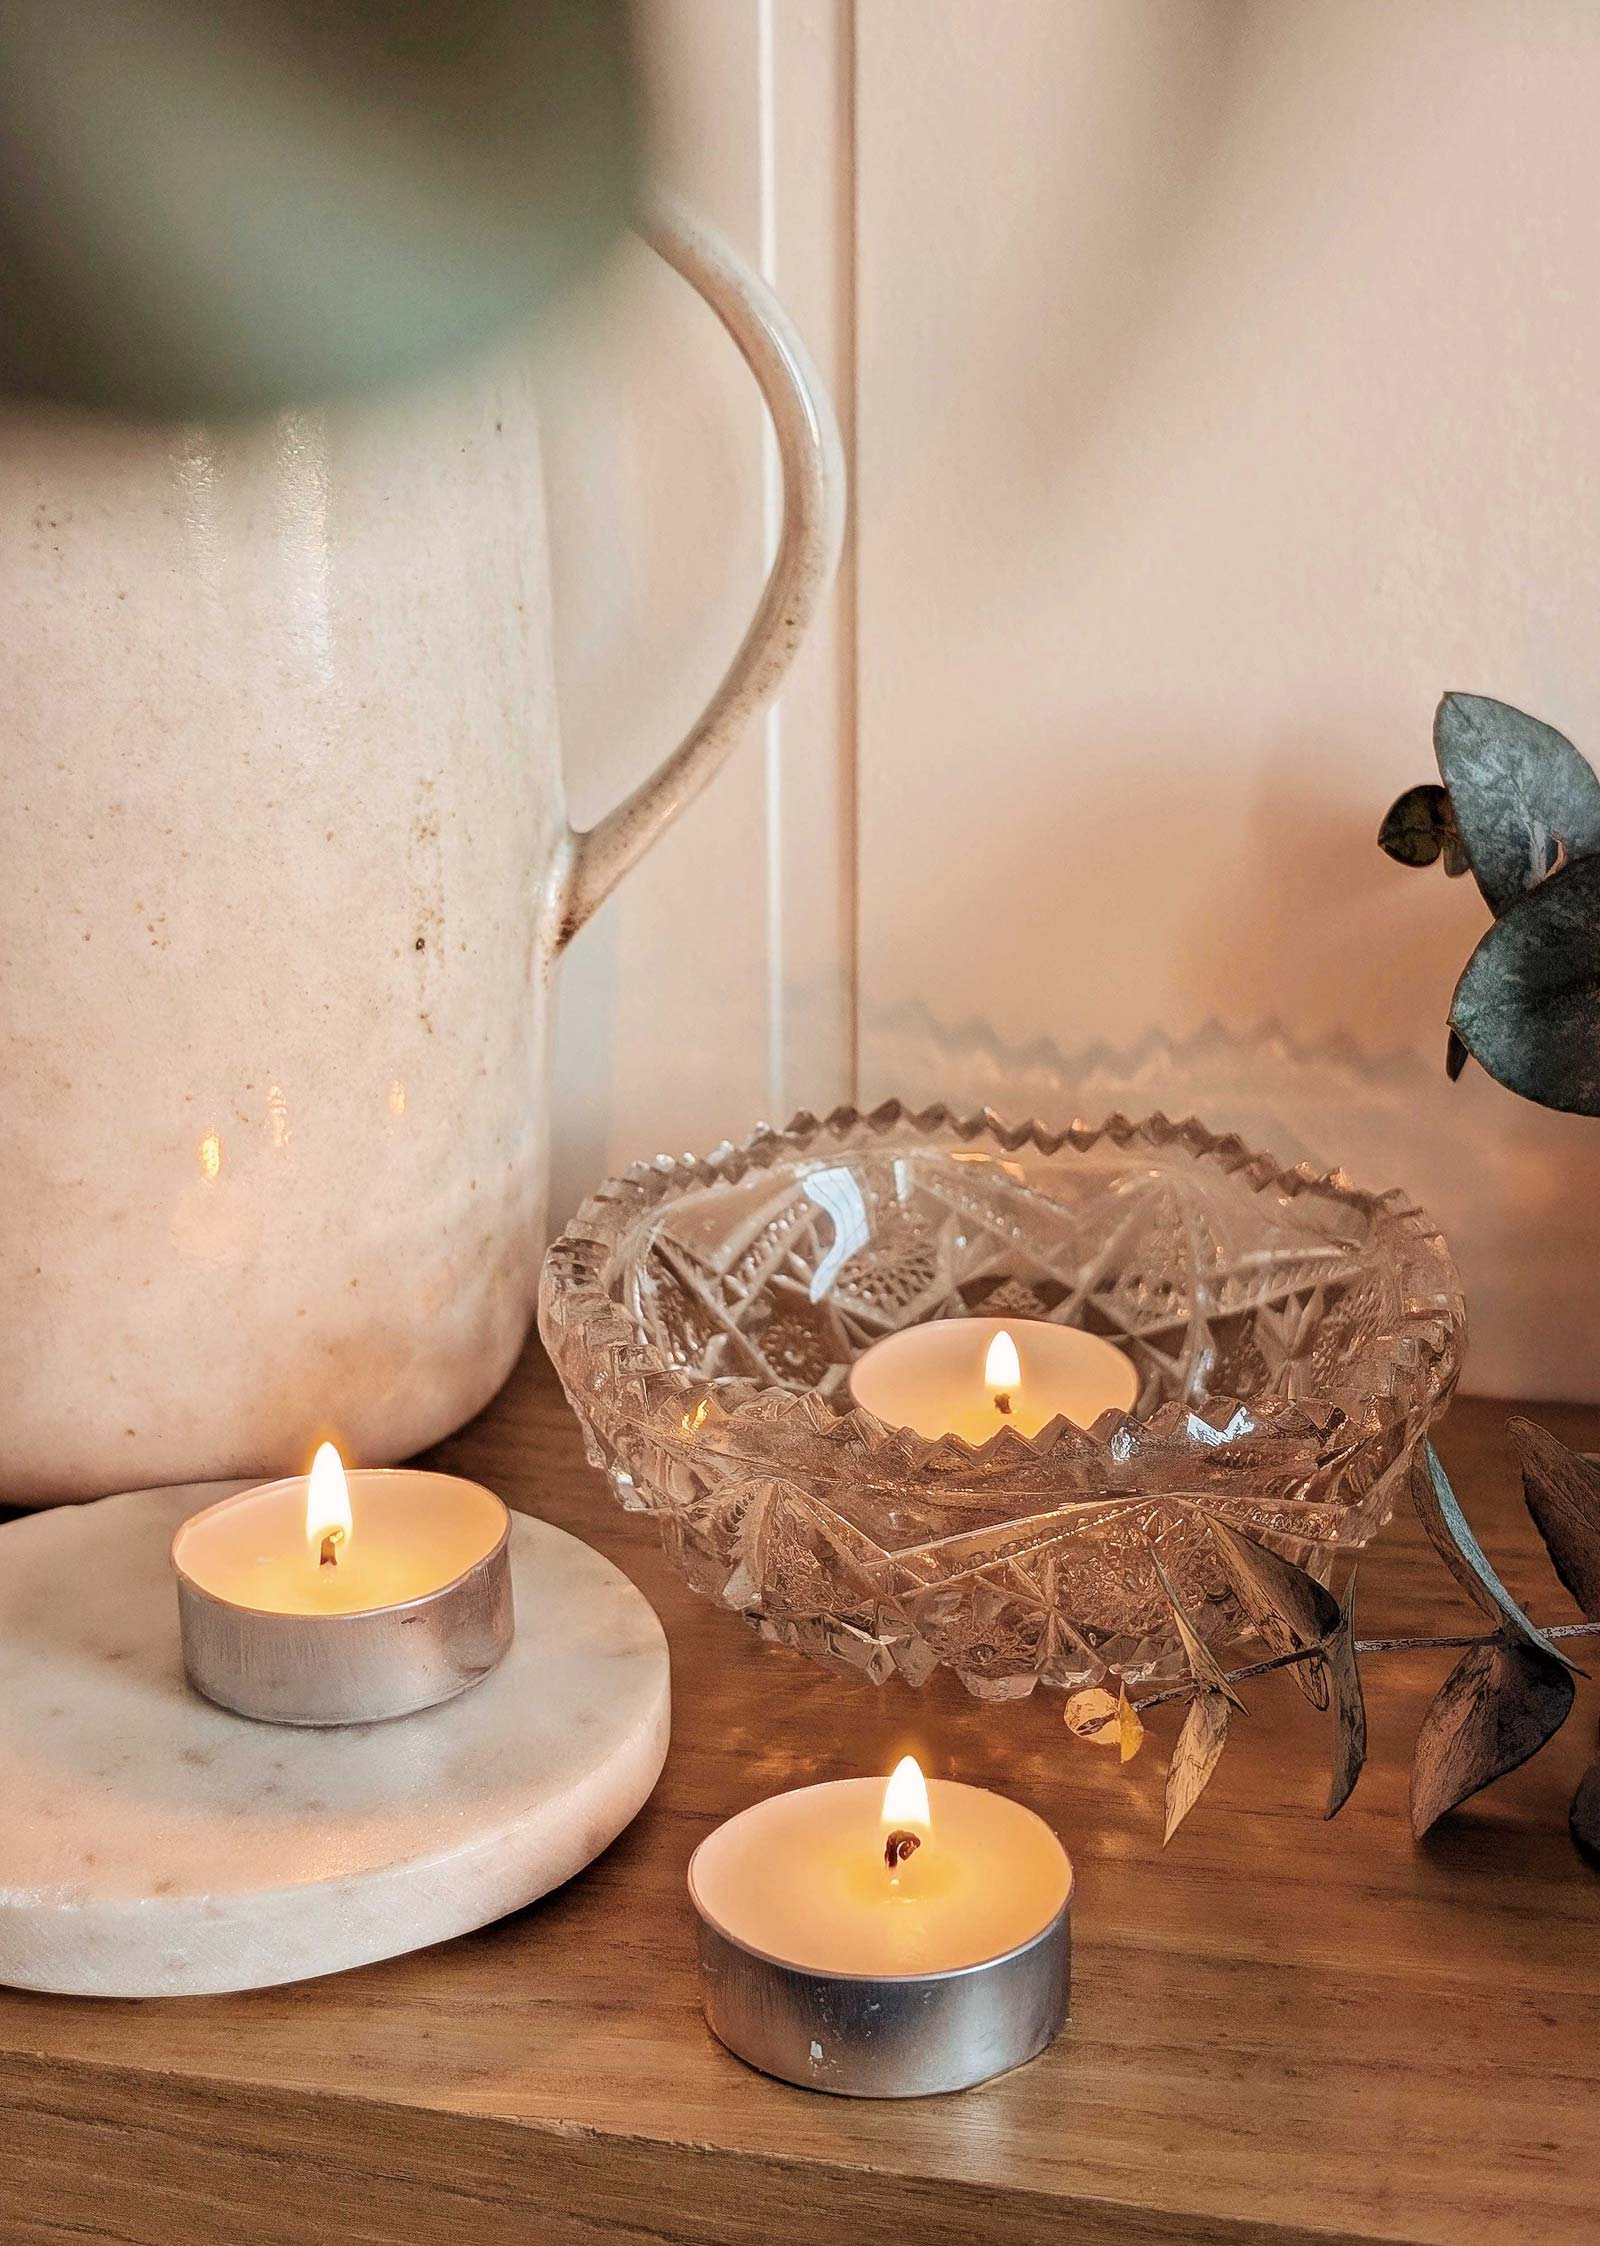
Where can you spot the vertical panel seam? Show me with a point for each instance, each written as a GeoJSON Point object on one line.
{"type": "Point", "coordinates": [849, 584]}
{"type": "Point", "coordinates": [772, 513]}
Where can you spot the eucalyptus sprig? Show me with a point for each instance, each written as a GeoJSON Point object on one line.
{"type": "Point", "coordinates": [1505, 1698]}
{"type": "Point", "coordinates": [1518, 809]}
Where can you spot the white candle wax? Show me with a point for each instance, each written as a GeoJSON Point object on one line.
{"type": "Point", "coordinates": [411, 1533]}
{"type": "Point", "coordinates": [955, 1376]}
{"type": "Point", "coordinates": [802, 1879]}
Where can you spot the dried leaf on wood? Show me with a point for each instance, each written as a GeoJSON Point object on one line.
{"type": "Point", "coordinates": [1290, 1609]}
{"type": "Point", "coordinates": [1584, 1815]}
{"type": "Point", "coordinates": [1194, 1758]}
{"type": "Point", "coordinates": [1349, 1708]}
{"type": "Point", "coordinates": [1528, 1003]}
{"type": "Point", "coordinates": [1563, 1494]}
{"type": "Point", "coordinates": [1498, 1706]}
{"type": "Point", "coordinates": [1092, 1714]}
{"type": "Point", "coordinates": [1522, 798]}
{"type": "Point", "coordinates": [1420, 826]}
{"type": "Point", "coordinates": [1450, 1533]}
{"type": "Point", "coordinates": [1202, 1661]}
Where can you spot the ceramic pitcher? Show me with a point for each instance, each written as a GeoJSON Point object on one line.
{"type": "Point", "coordinates": [286, 870]}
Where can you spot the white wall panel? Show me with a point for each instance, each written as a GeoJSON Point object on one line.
{"type": "Point", "coordinates": [714, 988]}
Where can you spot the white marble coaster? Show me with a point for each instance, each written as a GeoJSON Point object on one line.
{"type": "Point", "coordinates": [154, 1845]}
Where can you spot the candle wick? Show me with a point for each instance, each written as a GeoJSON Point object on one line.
{"type": "Point", "coordinates": [898, 1847]}
{"type": "Point", "coordinates": [1002, 1402]}
{"type": "Point", "coordinates": [329, 1556]}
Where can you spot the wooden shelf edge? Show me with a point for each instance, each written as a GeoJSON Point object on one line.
{"type": "Point", "coordinates": [104, 2152]}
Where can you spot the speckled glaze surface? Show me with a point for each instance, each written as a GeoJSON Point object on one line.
{"type": "Point", "coordinates": [156, 1845]}
{"type": "Point", "coordinates": [287, 868]}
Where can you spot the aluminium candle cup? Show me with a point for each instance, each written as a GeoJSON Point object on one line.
{"type": "Point", "coordinates": [885, 2034]}
{"type": "Point", "coordinates": [362, 1666]}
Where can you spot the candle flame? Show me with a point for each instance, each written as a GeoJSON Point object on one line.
{"type": "Point", "coordinates": [1002, 1368]}
{"type": "Point", "coordinates": [905, 1798]}
{"type": "Point", "coordinates": [327, 1500]}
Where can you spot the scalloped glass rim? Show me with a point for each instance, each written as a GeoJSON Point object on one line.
{"type": "Point", "coordinates": [1428, 1341]}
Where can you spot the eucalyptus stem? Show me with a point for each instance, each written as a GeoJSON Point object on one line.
{"type": "Point", "coordinates": [1474, 1637]}
{"type": "Point", "coordinates": [1186, 1690]}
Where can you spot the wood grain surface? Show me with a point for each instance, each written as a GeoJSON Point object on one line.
{"type": "Point", "coordinates": [1283, 2031]}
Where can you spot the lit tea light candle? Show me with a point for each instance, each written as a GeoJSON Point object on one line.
{"type": "Point", "coordinates": [884, 1941]}
{"type": "Point", "coordinates": [336, 1598]}
{"type": "Point", "coordinates": [972, 1376]}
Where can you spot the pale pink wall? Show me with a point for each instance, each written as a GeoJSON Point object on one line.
{"type": "Point", "coordinates": [1230, 385]}
{"type": "Point", "coordinates": [1227, 382]}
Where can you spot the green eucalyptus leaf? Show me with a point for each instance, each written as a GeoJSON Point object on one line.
{"type": "Point", "coordinates": [1524, 801]}
{"type": "Point", "coordinates": [1527, 1006]}
{"type": "Point", "coordinates": [1284, 1605]}
{"type": "Point", "coordinates": [1451, 1535]}
{"type": "Point", "coordinates": [1195, 1757]}
{"type": "Point", "coordinates": [1499, 1705]}
{"type": "Point", "coordinates": [1562, 1490]}
{"type": "Point", "coordinates": [1203, 1666]}
{"type": "Point", "coordinates": [1349, 1707]}
{"type": "Point", "coordinates": [1420, 827]}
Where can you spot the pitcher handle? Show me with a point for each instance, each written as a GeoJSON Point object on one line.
{"type": "Point", "coordinates": [594, 859]}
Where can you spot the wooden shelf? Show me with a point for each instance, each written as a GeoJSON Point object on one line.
{"type": "Point", "coordinates": [1283, 2031]}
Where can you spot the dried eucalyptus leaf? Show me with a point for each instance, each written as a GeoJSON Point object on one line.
{"type": "Point", "coordinates": [1498, 1706]}
{"type": "Point", "coordinates": [1523, 799]}
{"type": "Point", "coordinates": [1527, 1006]}
{"type": "Point", "coordinates": [1563, 1494]}
{"type": "Point", "coordinates": [1194, 1758]}
{"type": "Point", "coordinates": [1349, 1708]}
{"type": "Point", "coordinates": [1450, 1534]}
{"type": "Point", "coordinates": [1092, 1714]}
{"type": "Point", "coordinates": [1130, 1729]}
{"type": "Point", "coordinates": [1287, 1607]}
{"type": "Point", "coordinates": [1420, 826]}
{"type": "Point", "coordinates": [1456, 1056]}
{"type": "Point", "coordinates": [1584, 1815]}
{"type": "Point", "coordinates": [1202, 1662]}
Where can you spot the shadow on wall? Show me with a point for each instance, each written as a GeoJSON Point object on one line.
{"type": "Point", "coordinates": [1497, 1176]}
{"type": "Point", "coordinates": [1306, 916]}
{"type": "Point", "coordinates": [1125, 188]}
{"type": "Point", "coordinates": [1151, 879]}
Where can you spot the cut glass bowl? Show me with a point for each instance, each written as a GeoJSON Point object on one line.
{"type": "Point", "coordinates": [1293, 1338]}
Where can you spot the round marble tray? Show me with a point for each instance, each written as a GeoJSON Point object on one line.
{"type": "Point", "coordinates": [154, 1845]}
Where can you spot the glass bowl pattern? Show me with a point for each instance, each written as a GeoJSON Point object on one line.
{"type": "Point", "coordinates": [1293, 1337]}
